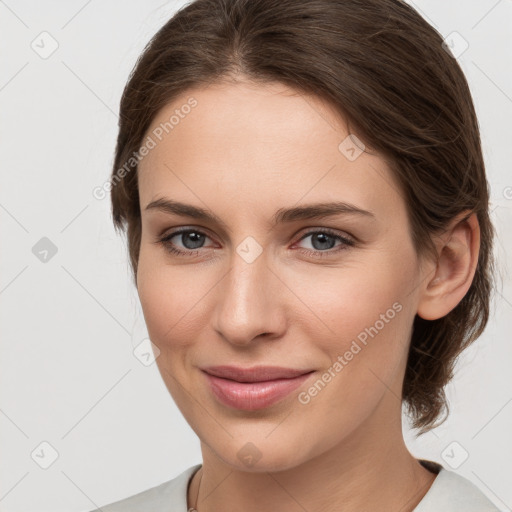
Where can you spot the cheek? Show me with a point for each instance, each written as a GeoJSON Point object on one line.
{"type": "Point", "coordinates": [364, 315]}
{"type": "Point", "coordinates": [170, 303]}
{"type": "Point", "coordinates": [344, 301]}
{"type": "Point", "coordinates": [171, 300]}
{"type": "Point", "coordinates": [365, 347]}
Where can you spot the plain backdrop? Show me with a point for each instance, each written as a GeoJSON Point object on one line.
{"type": "Point", "coordinates": [83, 422]}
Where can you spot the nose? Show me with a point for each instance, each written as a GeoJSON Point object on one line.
{"type": "Point", "coordinates": [250, 302]}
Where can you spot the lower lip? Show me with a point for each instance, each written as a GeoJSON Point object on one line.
{"type": "Point", "coordinates": [252, 396]}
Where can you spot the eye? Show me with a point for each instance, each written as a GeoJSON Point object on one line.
{"type": "Point", "coordinates": [191, 239]}
{"type": "Point", "coordinates": [324, 240]}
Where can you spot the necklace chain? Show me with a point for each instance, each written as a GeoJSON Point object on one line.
{"type": "Point", "coordinates": [194, 509]}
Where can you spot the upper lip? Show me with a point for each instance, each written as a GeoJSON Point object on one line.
{"type": "Point", "coordinates": [254, 374]}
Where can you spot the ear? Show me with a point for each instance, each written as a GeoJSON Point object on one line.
{"type": "Point", "coordinates": [457, 250]}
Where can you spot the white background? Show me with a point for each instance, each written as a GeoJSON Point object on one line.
{"type": "Point", "coordinates": [69, 326]}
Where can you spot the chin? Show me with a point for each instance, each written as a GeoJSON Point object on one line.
{"type": "Point", "coordinates": [262, 454]}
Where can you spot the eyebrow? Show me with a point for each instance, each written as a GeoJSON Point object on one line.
{"type": "Point", "coordinates": [283, 215]}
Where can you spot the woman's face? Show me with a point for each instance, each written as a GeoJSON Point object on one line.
{"type": "Point", "coordinates": [265, 280]}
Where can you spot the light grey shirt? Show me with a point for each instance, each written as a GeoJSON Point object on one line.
{"type": "Point", "coordinates": [450, 492]}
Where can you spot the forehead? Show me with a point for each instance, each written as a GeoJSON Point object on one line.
{"type": "Point", "coordinates": [246, 141]}
{"type": "Point", "coordinates": [261, 117]}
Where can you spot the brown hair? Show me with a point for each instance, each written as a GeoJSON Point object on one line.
{"type": "Point", "coordinates": [383, 68]}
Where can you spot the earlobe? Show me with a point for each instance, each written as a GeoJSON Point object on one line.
{"type": "Point", "coordinates": [458, 249]}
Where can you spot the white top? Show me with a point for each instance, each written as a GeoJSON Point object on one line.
{"type": "Point", "coordinates": [449, 492]}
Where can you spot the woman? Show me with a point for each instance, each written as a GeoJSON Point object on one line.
{"type": "Point", "coordinates": [305, 199]}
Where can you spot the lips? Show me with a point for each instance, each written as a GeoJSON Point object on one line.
{"type": "Point", "coordinates": [254, 388]}
{"type": "Point", "coordinates": [254, 374]}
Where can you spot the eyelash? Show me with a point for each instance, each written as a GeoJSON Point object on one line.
{"type": "Point", "coordinates": [346, 242]}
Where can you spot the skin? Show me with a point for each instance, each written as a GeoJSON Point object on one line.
{"type": "Point", "coordinates": [244, 152]}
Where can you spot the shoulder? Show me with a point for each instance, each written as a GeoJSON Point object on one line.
{"type": "Point", "coordinates": [170, 496]}
{"type": "Point", "coordinates": [451, 491]}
